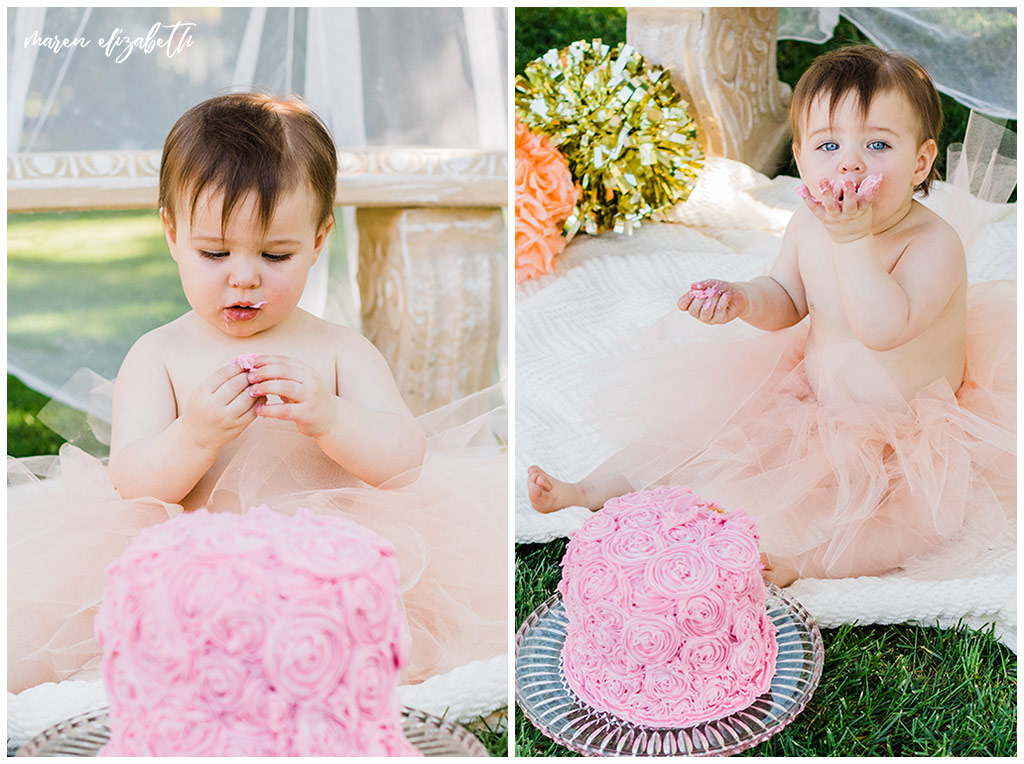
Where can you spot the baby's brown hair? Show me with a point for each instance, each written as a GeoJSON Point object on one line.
{"type": "Point", "coordinates": [248, 143]}
{"type": "Point", "coordinates": [867, 70]}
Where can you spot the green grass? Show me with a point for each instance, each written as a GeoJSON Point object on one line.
{"type": "Point", "coordinates": [493, 734]}
{"type": "Point", "coordinates": [26, 435]}
{"type": "Point", "coordinates": [884, 691]}
{"type": "Point", "coordinates": [93, 279]}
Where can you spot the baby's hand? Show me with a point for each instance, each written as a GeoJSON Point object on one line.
{"type": "Point", "coordinates": [305, 398]}
{"type": "Point", "coordinates": [220, 408]}
{"type": "Point", "coordinates": [714, 301]}
{"type": "Point", "coordinates": [845, 209]}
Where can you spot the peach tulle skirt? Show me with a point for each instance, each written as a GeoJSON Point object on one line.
{"type": "Point", "coordinates": [66, 523]}
{"type": "Point", "coordinates": [845, 477]}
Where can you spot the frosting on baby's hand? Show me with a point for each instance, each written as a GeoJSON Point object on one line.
{"type": "Point", "coordinates": [865, 191]}
{"type": "Point", "coordinates": [703, 293]}
{"type": "Point", "coordinates": [869, 186]}
{"type": "Point", "coordinates": [246, 361]}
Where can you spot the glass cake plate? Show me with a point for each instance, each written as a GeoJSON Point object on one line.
{"type": "Point", "coordinates": [85, 734]}
{"type": "Point", "coordinates": [544, 696]}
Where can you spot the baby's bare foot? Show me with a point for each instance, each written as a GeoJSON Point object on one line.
{"type": "Point", "coordinates": [780, 575]}
{"type": "Point", "coordinates": [548, 494]}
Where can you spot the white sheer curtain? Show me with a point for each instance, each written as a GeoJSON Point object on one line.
{"type": "Point", "coordinates": [971, 53]}
{"type": "Point", "coordinates": [431, 77]}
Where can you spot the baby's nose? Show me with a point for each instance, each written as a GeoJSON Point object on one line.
{"type": "Point", "coordinates": [243, 276]}
{"type": "Point", "coordinates": [851, 162]}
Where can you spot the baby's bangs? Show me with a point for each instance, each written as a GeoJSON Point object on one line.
{"type": "Point", "coordinates": [240, 154]}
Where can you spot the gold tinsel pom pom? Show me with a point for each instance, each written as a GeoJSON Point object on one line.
{"type": "Point", "coordinates": [622, 127]}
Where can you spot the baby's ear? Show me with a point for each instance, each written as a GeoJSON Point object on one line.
{"type": "Point", "coordinates": [321, 237]}
{"type": "Point", "coordinates": [925, 159]}
{"type": "Point", "coordinates": [167, 222]}
{"type": "Point", "coordinates": [170, 233]}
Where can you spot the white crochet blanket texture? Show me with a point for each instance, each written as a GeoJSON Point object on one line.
{"type": "Point", "coordinates": [730, 228]}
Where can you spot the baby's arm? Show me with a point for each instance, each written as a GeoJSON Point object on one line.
{"type": "Point", "coordinates": [887, 310]}
{"type": "Point", "coordinates": [153, 451]}
{"type": "Point", "coordinates": [364, 425]}
{"type": "Point", "coordinates": [769, 302]}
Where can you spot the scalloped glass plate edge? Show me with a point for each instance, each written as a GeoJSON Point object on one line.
{"type": "Point", "coordinates": [86, 733]}
{"type": "Point", "coordinates": [546, 700]}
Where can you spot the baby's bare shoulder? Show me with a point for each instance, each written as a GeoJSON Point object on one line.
{"type": "Point", "coordinates": [158, 342]}
{"type": "Point", "coordinates": [929, 234]}
{"type": "Point", "coordinates": [345, 340]}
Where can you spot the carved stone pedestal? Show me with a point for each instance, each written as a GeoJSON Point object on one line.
{"type": "Point", "coordinates": [722, 61]}
{"type": "Point", "coordinates": [430, 283]}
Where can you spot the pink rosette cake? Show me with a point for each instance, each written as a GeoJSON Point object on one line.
{"type": "Point", "coordinates": [667, 623]}
{"type": "Point", "coordinates": [254, 635]}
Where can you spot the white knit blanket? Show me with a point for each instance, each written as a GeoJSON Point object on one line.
{"type": "Point", "coordinates": [730, 228]}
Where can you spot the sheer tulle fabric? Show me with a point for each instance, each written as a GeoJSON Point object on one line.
{"type": "Point", "coordinates": [843, 481]}
{"type": "Point", "coordinates": [66, 523]}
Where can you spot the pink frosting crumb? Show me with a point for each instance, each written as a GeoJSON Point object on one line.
{"type": "Point", "coordinates": [246, 361]}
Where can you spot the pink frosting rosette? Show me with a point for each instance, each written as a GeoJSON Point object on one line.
{"type": "Point", "coordinates": [596, 528]}
{"type": "Point", "coordinates": [621, 661]}
{"type": "Point", "coordinates": [326, 555]}
{"type": "Point", "coordinates": [263, 704]}
{"type": "Point", "coordinates": [680, 572]}
{"type": "Point", "coordinates": [732, 550]}
{"type": "Point", "coordinates": [179, 732]}
{"type": "Point", "coordinates": [583, 553]}
{"type": "Point", "coordinates": [650, 640]}
{"type": "Point", "coordinates": [240, 628]}
{"type": "Point", "coordinates": [219, 680]}
{"type": "Point", "coordinates": [545, 197]}
{"type": "Point", "coordinates": [632, 547]}
{"type": "Point", "coordinates": [373, 607]}
{"type": "Point", "coordinates": [667, 681]}
{"type": "Point", "coordinates": [374, 680]}
{"type": "Point", "coordinates": [590, 585]}
{"type": "Point", "coordinates": [706, 654]}
{"type": "Point", "coordinates": [319, 733]}
{"type": "Point", "coordinates": [704, 613]}
{"type": "Point", "coordinates": [641, 596]}
{"type": "Point", "coordinates": [306, 653]}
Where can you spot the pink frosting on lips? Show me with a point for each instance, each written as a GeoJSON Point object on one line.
{"type": "Point", "coordinates": [667, 624]}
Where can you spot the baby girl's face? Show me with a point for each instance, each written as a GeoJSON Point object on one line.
{"type": "Point", "coordinates": [852, 144]}
{"type": "Point", "coordinates": [247, 281]}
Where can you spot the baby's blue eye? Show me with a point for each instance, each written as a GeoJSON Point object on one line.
{"type": "Point", "coordinates": [829, 146]}
{"type": "Point", "coordinates": [276, 258]}
{"type": "Point", "coordinates": [213, 255]}
{"type": "Point", "coordinates": [878, 145]}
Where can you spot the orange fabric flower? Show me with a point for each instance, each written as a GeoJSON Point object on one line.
{"type": "Point", "coordinates": [545, 196]}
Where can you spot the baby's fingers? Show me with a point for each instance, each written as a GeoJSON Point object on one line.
{"type": "Point", "coordinates": [286, 389]}
{"type": "Point", "coordinates": [849, 202]}
{"type": "Point", "coordinates": [812, 204]}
